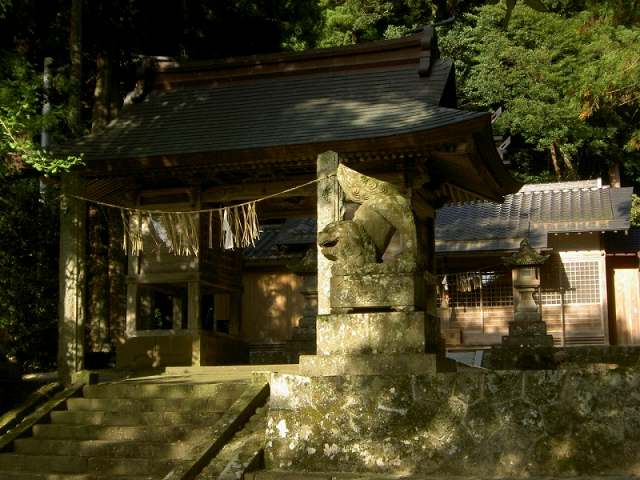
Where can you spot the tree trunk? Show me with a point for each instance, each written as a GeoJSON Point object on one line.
{"type": "Point", "coordinates": [554, 161]}
{"type": "Point", "coordinates": [75, 53]}
{"type": "Point", "coordinates": [102, 93]}
{"type": "Point", "coordinates": [567, 161]}
{"type": "Point", "coordinates": [441, 9]}
{"type": "Point", "coordinates": [614, 175]}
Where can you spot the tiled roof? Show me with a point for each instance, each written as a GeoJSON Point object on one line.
{"type": "Point", "coordinates": [534, 212]}
{"type": "Point", "coordinates": [578, 184]}
{"type": "Point", "coordinates": [294, 110]}
{"type": "Point", "coordinates": [283, 241]}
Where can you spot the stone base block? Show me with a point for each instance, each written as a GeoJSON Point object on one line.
{"type": "Point", "coordinates": [399, 291]}
{"type": "Point", "coordinates": [519, 328]}
{"type": "Point", "coordinates": [480, 423]}
{"type": "Point", "coordinates": [371, 333]}
{"type": "Point", "coordinates": [528, 341]}
{"type": "Point", "coordinates": [383, 364]}
{"type": "Point", "coordinates": [526, 333]}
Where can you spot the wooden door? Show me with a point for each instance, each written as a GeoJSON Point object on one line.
{"type": "Point", "coordinates": [627, 305]}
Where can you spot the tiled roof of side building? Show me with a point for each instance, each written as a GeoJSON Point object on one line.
{"type": "Point", "coordinates": [283, 241]}
{"type": "Point", "coordinates": [540, 187]}
{"type": "Point", "coordinates": [327, 106]}
{"type": "Point", "coordinates": [555, 208]}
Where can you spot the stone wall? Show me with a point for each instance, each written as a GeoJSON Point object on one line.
{"type": "Point", "coordinates": [476, 422]}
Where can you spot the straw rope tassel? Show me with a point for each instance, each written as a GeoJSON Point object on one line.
{"type": "Point", "coordinates": [125, 231]}
{"type": "Point", "coordinates": [193, 239]}
{"type": "Point", "coordinates": [239, 225]}
{"type": "Point", "coordinates": [222, 231]}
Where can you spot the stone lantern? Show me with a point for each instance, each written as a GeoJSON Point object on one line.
{"type": "Point", "coordinates": [303, 340]}
{"type": "Point", "coordinates": [527, 328]}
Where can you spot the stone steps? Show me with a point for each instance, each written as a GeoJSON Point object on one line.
{"type": "Point", "coordinates": [239, 453]}
{"type": "Point", "coordinates": [218, 403]}
{"type": "Point", "coordinates": [72, 464]}
{"type": "Point", "coordinates": [102, 448]}
{"type": "Point", "coordinates": [133, 418]}
{"type": "Point", "coordinates": [122, 430]}
{"type": "Point", "coordinates": [103, 432]}
{"type": "Point", "coordinates": [138, 390]}
{"type": "Point", "coordinates": [69, 476]}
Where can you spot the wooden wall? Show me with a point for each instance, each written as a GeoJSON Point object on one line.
{"type": "Point", "coordinates": [271, 306]}
{"type": "Point", "coordinates": [624, 299]}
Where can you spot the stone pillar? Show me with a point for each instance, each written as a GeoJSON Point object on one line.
{"type": "Point", "coordinates": [71, 318]}
{"type": "Point", "coordinates": [329, 210]}
{"type": "Point", "coordinates": [375, 323]}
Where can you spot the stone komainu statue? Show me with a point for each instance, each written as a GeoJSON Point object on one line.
{"type": "Point", "coordinates": [382, 212]}
{"type": "Point", "coordinates": [360, 279]}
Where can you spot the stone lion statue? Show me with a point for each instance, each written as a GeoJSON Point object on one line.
{"type": "Point", "coordinates": [348, 244]}
{"type": "Point", "coordinates": [361, 242]}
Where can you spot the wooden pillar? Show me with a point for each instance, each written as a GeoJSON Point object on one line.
{"type": "Point", "coordinates": [132, 307]}
{"type": "Point", "coordinates": [97, 282]}
{"type": "Point", "coordinates": [329, 209]}
{"type": "Point", "coordinates": [71, 315]}
{"type": "Point", "coordinates": [193, 321]}
{"type": "Point", "coordinates": [117, 270]}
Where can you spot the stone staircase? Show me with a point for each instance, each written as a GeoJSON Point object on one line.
{"type": "Point", "coordinates": [132, 429]}
{"type": "Point", "coordinates": [243, 452]}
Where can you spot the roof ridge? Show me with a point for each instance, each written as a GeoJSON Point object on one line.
{"type": "Point", "coordinates": [418, 49]}
{"type": "Point", "coordinates": [574, 189]}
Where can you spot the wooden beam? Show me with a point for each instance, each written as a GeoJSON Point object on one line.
{"type": "Point", "coordinates": [251, 191]}
{"type": "Point", "coordinates": [244, 191]}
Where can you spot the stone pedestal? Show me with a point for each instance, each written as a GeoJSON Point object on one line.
{"type": "Point", "coordinates": [376, 343]}
{"type": "Point", "coordinates": [377, 289]}
{"type": "Point", "coordinates": [527, 334]}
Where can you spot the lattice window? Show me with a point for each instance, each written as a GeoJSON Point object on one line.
{"type": "Point", "coordinates": [578, 281]}
{"type": "Point", "coordinates": [497, 289]}
{"type": "Point", "coordinates": [490, 289]}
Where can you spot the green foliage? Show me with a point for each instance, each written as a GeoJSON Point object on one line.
{"type": "Point", "coordinates": [511, 4]}
{"type": "Point", "coordinates": [28, 272]}
{"type": "Point", "coordinates": [353, 21]}
{"type": "Point", "coordinates": [569, 82]}
{"type": "Point", "coordinates": [635, 210]}
{"type": "Point", "coordinates": [20, 100]}
{"type": "Point", "coordinates": [4, 6]}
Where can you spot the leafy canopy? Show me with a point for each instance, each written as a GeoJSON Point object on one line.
{"type": "Point", "coordinates": [572, 82]}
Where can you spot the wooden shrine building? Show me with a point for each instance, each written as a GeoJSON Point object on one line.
{"type": "Point", "coordinates": [208, 134]}
{"type": "Point", "coordinates": [583, 226]}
